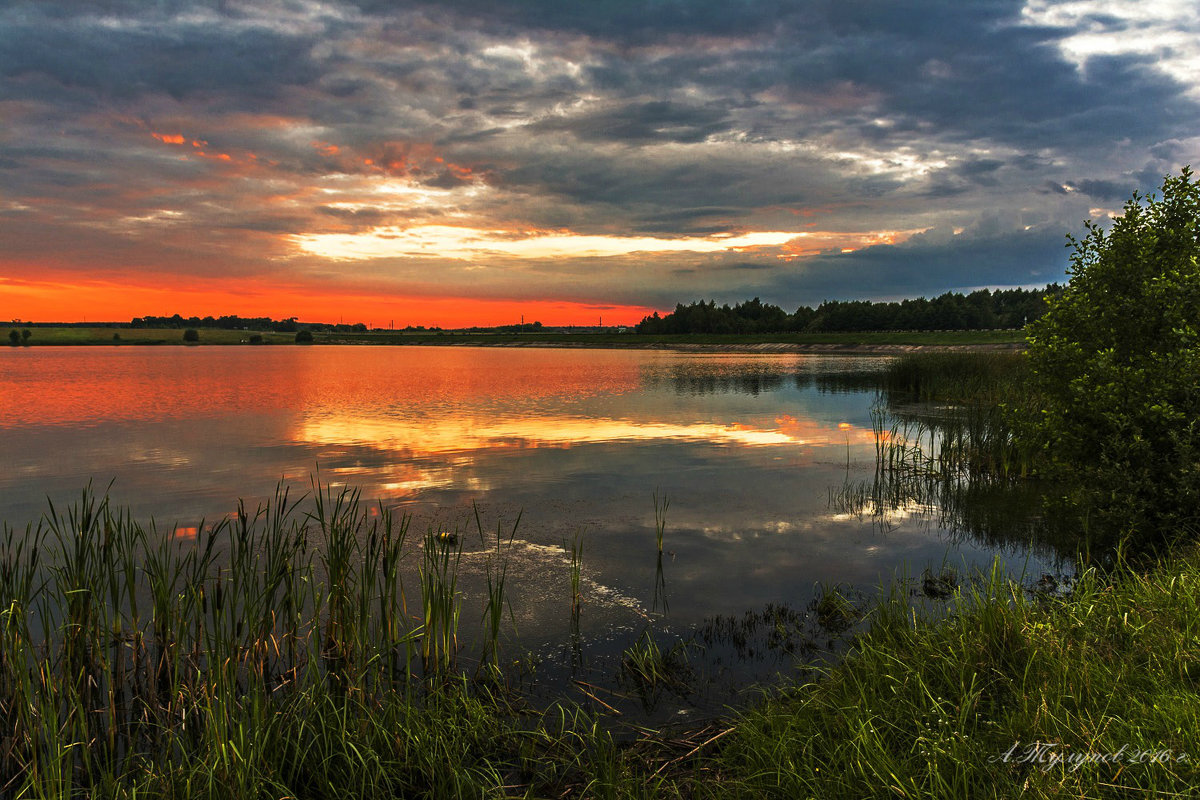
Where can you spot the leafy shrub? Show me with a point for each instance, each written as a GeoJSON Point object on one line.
{"type": "Point", "coordinates": [1116, 360]}
{"type": "Point", "coordinates": [304, 337]}
{"type": "Point", "coordinates": [191, 335]}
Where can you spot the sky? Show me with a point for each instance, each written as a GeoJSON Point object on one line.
{"type": "Point", "coordinates": [481, 162]}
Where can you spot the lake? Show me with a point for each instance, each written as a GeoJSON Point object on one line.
{"type": "Point", "coordinates": [750, 451]}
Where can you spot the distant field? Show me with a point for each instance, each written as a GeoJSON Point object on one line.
{"type": "Point", "coordinates": [140, 336]}
{"type": "Point", "coordinates": [159, 336]}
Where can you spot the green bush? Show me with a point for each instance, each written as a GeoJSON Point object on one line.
{"type": "Point", "coordinates": [191, 335]}
{"type": "Point", "coordinates": [304, 337]}
{"type": "Point", "coordinates": [1116, 361]}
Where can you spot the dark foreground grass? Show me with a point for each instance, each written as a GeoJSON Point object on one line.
{"type": "Point", "coordinates": [277, 656]}
{"type": "Point", "coordinates": [1096, 694]}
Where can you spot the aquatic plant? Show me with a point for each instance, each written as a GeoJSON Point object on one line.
{"type": "Point", "coordinates": [496, 570]}
{"type": "Point", "coordinates": [649, 669]}
{"type": "Point", "coordinates": [575, 551]}
{"type": "Point", "coordinates": [660, 517]}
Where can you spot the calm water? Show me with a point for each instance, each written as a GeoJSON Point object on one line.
{"type": "Point", "coordinates": [748, 449]}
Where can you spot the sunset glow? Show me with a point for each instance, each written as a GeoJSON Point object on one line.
{"type": "Point", "coordinates": [101, 302]}
{"type": "Point", "coordinates": [435, 164]}
{"type": "Point", "coordinates": [467, 243]}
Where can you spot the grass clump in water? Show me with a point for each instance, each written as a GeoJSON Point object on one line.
{"type": "Point", "coordinates": [230, 660]}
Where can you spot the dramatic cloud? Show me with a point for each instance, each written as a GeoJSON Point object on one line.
{"type": "Point", "coordinates": [422, 161]}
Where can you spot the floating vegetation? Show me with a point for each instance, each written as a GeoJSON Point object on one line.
{"type": "Point", "coordinates": [648, 669]}
{"type": "Point", "coordinates": [939, 585]}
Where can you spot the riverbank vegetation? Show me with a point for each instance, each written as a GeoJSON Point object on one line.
{"type": "Point", "coordinates": [277, 654]}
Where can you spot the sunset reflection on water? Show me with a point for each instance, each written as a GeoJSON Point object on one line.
{"type": "Point", "coordinates": [748, 448]}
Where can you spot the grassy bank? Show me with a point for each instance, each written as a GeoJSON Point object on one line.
{"type": "Point", "coordinates": [1099, 678]}
{"type": "Point", "coordinates": [279, 654]}
{"type": "Point", "coordinates": [212, 336]}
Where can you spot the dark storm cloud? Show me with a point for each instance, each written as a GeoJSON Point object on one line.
{"type": "Point", "coordinates": [636, 123]}
{"type": "Point", "coordinates": [945, 71]}
{"type": "Point", "coordinates": [204, 121]}
{"type": "Point", "coordinates": [928, 266]}
{"type": "Point", "coordinates": [647, 21]}
{"type": "Point", "coordinates": [137, 56]}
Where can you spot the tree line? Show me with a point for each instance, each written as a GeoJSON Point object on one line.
{"type": "Point", "coordinates": [979, 310]}
{"type": "Point", "coordinates": [234, 322]}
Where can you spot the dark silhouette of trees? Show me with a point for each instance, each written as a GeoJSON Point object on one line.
{"type": "Point", "coordinates": [233, 322]}
{"type": "Point", "coordinates": [979, 310]}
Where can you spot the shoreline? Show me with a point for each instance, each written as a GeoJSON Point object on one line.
{"type": "Point", "coordinates": [815, 348]}
{"type": "Point", "coordinates": [864, 342]}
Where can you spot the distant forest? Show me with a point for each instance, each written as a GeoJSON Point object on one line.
{"type": "Point", "coordinates": [980, 310]}
{"type": "Point", "coordinates": [288, 325]}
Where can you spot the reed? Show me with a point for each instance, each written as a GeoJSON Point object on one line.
{"type": "Point", "coordinates": [648, 669]}
{"type": "Point", "coordinates": [956, 377]}
{"type": "Point", "coordinates": [124, 649]}
{"type": "Point", "coordinates": [496, 570]}
{"type": "Point", "coordinates": [946, 451]}
{"type": "Point", "coordinates": [575, 551]}
{"type": "Point", "coordinates": [136, 663]}
{"type": "Point", "coordinates": [439, 603]}
{"type": "Point", "coordinates": [661, 504]}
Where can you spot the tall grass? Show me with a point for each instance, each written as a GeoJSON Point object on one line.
{"type": "Point", "coordinates": [661, 504]}
{"type": "Point", "coordinates": [575, 551]}
{"type": "Point", "coordinates": [127, 652]}
{"type": "Point", "coordinates": [946, 453]}
{"type": "Point", "coordinates": [273, 655]}
{"type": "Point", "coordinates": [496, 570]}
{"type": "Point", "coordinates": [956, 377]}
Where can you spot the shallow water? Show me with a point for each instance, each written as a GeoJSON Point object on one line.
{"type": "Point", "coordinates": [748, 449]}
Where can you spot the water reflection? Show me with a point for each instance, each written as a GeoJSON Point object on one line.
{"type": "Point", "coordinates": [747, 448]}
